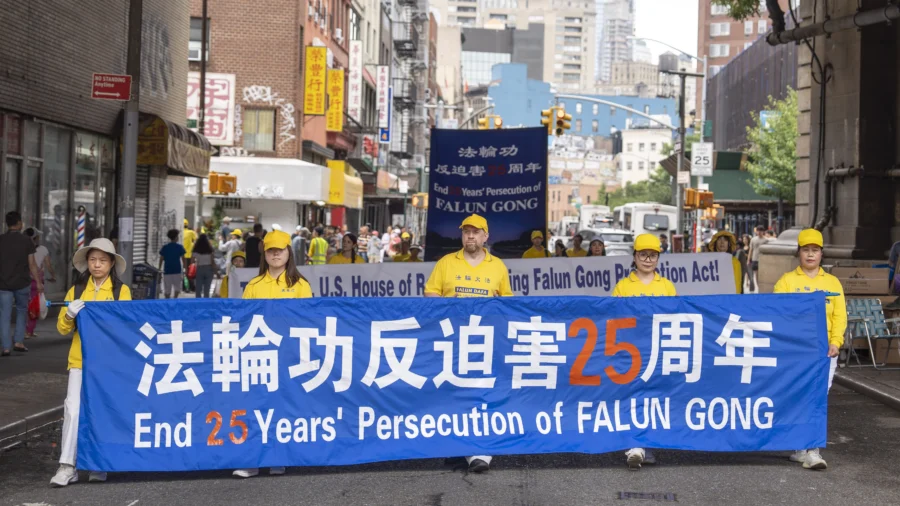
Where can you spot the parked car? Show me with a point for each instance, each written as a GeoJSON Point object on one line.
{"type": "Point", "coordinates": [617, 242]}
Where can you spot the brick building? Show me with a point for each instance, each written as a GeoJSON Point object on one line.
{"type": "Point", "coordinates": [60, 148]}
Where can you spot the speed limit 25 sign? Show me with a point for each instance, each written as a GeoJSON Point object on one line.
{"type": "Point", "coordinates": [702, 159]}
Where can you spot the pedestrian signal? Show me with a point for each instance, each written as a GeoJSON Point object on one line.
{"type": "Point", "coordinates": [704, 199]}
{"type": "Point", "coordinates": [483, 124]}
{"type": "Point", "coordinates": [222, 183]}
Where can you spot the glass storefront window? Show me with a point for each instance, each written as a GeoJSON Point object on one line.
{"type": "Point", "coordinates": [106, 197]}
{"type": "Point", "coordinates": [11, 181]}
{"type": "Point", "coordinates": [30, 197]}
{"type": "Point", "coordinates": [87, 152]}
{"type": "Point", "coordinates": [58, 233]}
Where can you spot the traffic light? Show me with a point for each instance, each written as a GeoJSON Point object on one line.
{"type": "Point", "coordinates": [498, 122]}
{"type": "Point", "coordinates": [562, 121]}
{"type": "Point", "coordinates": [704, 199]}
{"type": "Point", "coordinates": [691, 200]}
{"type": "Point", "coordinates": [547, 119]}
{"type": "Point", "coordinates": [222, 183]}
{"type": "Point", "coordinates": [483, 124]}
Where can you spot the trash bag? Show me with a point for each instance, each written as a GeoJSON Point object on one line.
{"type": "Point", "coordinates": [34, 307]}
{"type": "Point", "coordinates": [44, 308]}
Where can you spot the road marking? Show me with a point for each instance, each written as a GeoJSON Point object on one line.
{"type": "Point", "coordinates": [134, 502]}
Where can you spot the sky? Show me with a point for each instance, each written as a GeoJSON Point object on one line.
{"type": "Point", "coordinates": [671, 21]}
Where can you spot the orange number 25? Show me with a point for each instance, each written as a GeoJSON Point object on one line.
{"type": "Point", "coordinates": [576, 375]}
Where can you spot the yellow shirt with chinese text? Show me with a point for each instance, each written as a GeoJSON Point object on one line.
{"type": "Point", "coordinates": [632, 286]}
{"type": "Point", "coordinates": [796, 281]}
{"type": "Point", "coordinates": [90, 294]}
{"type": "Point", "coordinates": [267, 287]}
{"type": "Point", "coordinates": [454, 277]}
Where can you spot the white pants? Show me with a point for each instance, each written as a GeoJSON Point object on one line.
{"type": "Point", "coordinates": [69, 444]}
{"type": "Point", "coordinates": [485, 458]}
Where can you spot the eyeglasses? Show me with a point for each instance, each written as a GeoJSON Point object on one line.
{"type": "Point", "coordinates": [648, 255]}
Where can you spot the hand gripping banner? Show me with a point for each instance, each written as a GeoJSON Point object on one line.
{"type": "Point", "coordinates": [223, 384]}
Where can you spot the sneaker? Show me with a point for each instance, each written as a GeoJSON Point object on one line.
{"type": "Point", "coordinates": [649, 457]}
{"type": "Point", "coordinates": [798, 456]}
{"type": "Point", "coordinates": [245, 473]}
{"type": "Point", "coordinates": [64, 475]}
{"type": "Point", "coordinates": [634, 458]}
{"type": "Point", "coordinates": [97, 476]}
{"type": "Point", "coordinates": [276, 471]}
{"type": "Point", "coordinates": [478, 466]}
{"type": "Point", "coordinates": [814, 461]}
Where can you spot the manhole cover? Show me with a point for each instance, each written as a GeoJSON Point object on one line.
{"type": "Point", "coordinates": [649, 496]}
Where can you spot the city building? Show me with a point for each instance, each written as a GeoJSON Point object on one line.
{"type": "Point", "coordinates": [59, 145]}
{"type": "Point", "coordinates": [641, 153]}
{"type": "Point", "coordinates": [631, 78]}
{"type": "Point", "coordinates": [581, 170]}
{"type": "Point", "coordinates": [670, 85]}
{"type": "Point", "coordinates": [616, 25]}
{"type": "Point", "coordinates": [482, 48]}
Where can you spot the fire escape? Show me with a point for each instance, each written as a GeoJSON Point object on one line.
{"type": "Point", "coordinates": [410, 34]}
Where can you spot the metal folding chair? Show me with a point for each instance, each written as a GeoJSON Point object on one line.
{"type": "Point", "coordinates": [865, 318]}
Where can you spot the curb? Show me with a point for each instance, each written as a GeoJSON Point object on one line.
{"type": "Point", "coordinates": [866, 388]}
{"type": "Point", "coordinates": [21, 428]}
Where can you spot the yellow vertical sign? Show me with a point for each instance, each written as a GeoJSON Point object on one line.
{"type": "Point", "coordinates": [334, 118]}
{"type": "Point", "coordinates": [336, 183]}
{"type": "Point", "coordinates": [314, 88]}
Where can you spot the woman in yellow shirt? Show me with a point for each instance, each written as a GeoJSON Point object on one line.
{"type": "Point", "coordinates": [644, 281]}
{"type": "Point", "coordinates": [725, 242]}
{"type": "Point", "coordinates": [810, 277]}
{"type": "Point", "coordinates": [100, 268]}
{"type": "Point", "coordinates": [278, 279]}
{"type": "Point", "coordinates": [348, 254]}
{"type": "Point", "coordinates": [238, 260]}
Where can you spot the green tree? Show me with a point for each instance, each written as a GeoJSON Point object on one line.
{"type": "Point", "coordinates": [656, 189]}
{"type": "Point", "coordinates": [742, 9]}
{"type": "Point", "coordinates": [772, 156]}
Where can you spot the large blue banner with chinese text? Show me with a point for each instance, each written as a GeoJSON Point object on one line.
{"type": "Point", "coordinates": [498, 174]}
{"type": "Point", "coordinates": [223, 384]}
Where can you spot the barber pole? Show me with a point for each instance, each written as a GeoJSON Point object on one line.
{"type": "Point", "coordinates": [79, 227]}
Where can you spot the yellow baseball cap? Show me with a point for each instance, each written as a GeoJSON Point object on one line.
{"type": "Point", "coordinates": [238, 254]}
{"type": "Point", "coordinates": [186, 222]}
{"type": "Point", "coordinates": [276, 239]}
{"type": "Point", "coordinates": [475, 221]}
{"type": "Point", "coordinates": [405, 236]}
{"type": "Point", "coordinates": [810, 236]}
{"type": "Point", "coordinates": [237, 232]}
{"type": "Point", "coordinates": [645, 242]}
{"type": "Point", "coordinates": [537, 233]}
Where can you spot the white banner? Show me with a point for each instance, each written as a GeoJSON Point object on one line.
{"type": "Point", "coordinates": [692, 274]}
{"type": "Point", "coordinates": [354, 92]}
{"type": "Point", "coordinates": [382, 80]}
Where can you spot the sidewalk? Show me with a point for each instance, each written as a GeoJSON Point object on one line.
{"type": "Point", "coordinates": [882, 386]}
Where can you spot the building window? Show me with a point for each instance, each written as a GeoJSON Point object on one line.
{"type": "Point", "coordinates": [578, 108]}
{"type": "Point", "coordinates": [719, 50]}
{"type": "Point", "coordinates": [628, 165]}
{"type": "Point", "coordinates": [354, 25]}
{"type": "Point", "coordinates": [595, 126]}
{"type": "Point", "coordinates": [763, 26]}
{"type": "Point", "coordinates": [578, 125]}
{"type": "Point", "coordinates": [588, 199]}
{"type": "Point", "coordinates": [477, 65]}
{"type": "Point", "coordinates": [748, 27]}
{"type": "Point", "coordinates": [612, 111]}
{"type": "Point", "coordinates": [665, 109]}
{"type": "Point", "coordinates": [640, 165]}
{"type": "Point", "coordinates": [259, 129]}
{"type": "Point", "coordinates": [641, 147]}
{"type": "Point", "coordinates": [629, 147]}
{"type": "Point", "coordinates": [721, 10]}
{"type": "Point", "coordinates": [646, 109]}
{"type": "Point", "coordinates": [653, 147]}
{"type": "Point", "coordinates": [719, 29]}
{"type": "Point", "coordinates": [714, 69]}
{"type": "Point", "coordinates": [595, 109]}
{"type": "Point", "coordinates": [230, 203]}
{"type": "Point", "coordinates": [196, 39]}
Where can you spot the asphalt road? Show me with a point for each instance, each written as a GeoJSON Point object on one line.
{"type": "Point", "coordinates": [862, 450]}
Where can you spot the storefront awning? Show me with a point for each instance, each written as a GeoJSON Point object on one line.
{"type": "Point", "coordinates": [275, 178]}
{"type": "Point", "coordinates": [344, 189]}
{"type": "Point", "coordinates": [167, 144]}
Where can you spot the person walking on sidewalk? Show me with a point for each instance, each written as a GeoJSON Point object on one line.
{"type": "Point", "coordinates": [171, 258]}
{"type": "Point", "coordinates": [16, 263]}
{"type": "Point", "coordinates": [318, 248]}
{"type": "Point", "coordinates": [203, 259]}
{"type": "Point", "coordinates": [810, 277]}
{"type": "Point", "coordinates": [42, 259]}
{"type": "Point", "coordinates": [278, 279]}
{"type": "Point", "coordinates": [374, 251]}
{"type": "Point", "coordinates": [99, 269]}
{"type": "Point", "coordinates": [188, 239]}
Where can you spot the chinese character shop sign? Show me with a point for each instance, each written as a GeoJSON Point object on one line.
{"type": "Point", "coordinates": [334, 118]}
{"type": "Point", "coordinates": [226, 384]}
{"type": "Point", "coordinates": [354, 82]}
{"type": "Point", "coordinates": [315, 81]}
{"type": "Point", "coordinates": [219, 105]}
{"type": "Point", "coordinates": [111, 87]}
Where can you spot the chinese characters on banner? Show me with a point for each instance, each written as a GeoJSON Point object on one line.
{"type": "Point", "coordinates": [354, 82]}
{"type": "Point", "coordinates": [323, 382]}
{"type": "Point", "coordinates": [498, 174]}
{"type": "Point", "coordinates": [382, 81]}
{"type": "Point", "coordinates": [315, 81]}
{"type": "Point", "coordinates": [334, 118]}
{"type": "Point", "coordinates": [218, 126]}
{"type": "Point", "coordinates": [384, 133]}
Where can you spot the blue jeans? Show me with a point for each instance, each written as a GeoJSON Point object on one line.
{"type": "Point", "coordinates": [20, 297]}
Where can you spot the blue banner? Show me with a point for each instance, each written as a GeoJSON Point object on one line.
{"type": "Point", "coordinates": [499, 174]}
{"type": "Point", "coordinates": [221, 384]}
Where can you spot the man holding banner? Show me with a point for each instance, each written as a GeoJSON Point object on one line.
{"type": "Point", "coordinates": [470, 272]}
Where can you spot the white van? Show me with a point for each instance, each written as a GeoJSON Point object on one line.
{"type": "Point", "coordinates": [646, 218]}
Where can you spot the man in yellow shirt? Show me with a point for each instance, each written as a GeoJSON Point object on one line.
{"type": "Point", "coordinates": [810, 277]}
{"type": "Point", "coordinates": [470, 272]}
{"type": "Point", "coordinates": [537, 249]}
{"type": "Point", "coordinates": [576, 250]}
{"type": "Point", "coordinates": [188, 238]}
{"type": "Point", "coordinates": [318, 248]}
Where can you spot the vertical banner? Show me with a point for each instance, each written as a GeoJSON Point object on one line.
{"type": "Point", "coordinates": [314, 89]}
{"type": "Point", "coordinates": [382, 78]}
{"type": "Point", "coordinates": [384, 133]}
{"type": "Point", "coordinates": [354, 91]}
{"type": "Point", "coordinates": [498, 174]}
{"type": "Point", "coordinates": [218, 125]}
{"type": "Point", "coordinates": [334, 118]}
{"type": "Point", "coordinates": [336, 182]}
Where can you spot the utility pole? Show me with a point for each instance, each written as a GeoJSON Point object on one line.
{"type": "Point", "coordinates": [679, 196]}
{"type": "Point", "coordinates": [201, 113]}
{"type": "Point", "coordinates": [130, 138]}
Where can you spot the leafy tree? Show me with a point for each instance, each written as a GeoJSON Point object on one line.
{"type": "Point", "coordinates": [656, 189]}
{"type": "Point", "coordinates": [742, 9]}
{"type": "Point", "coordinates": [772, 156]}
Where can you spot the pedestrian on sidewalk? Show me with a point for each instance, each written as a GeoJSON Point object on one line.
{"type": "Point", "coordinates": [348, 254]}
{"type": "Point", "coordinates": [171, 258]}
{"type": "Point", "coordinates": [278, 279]}
{"type": "Point", "coordinates": [238, 261]}
{"type": "Point", "coordinates": [42, 259]}
{"type": "Point", "coordinates": [300, 243]}
{"type": "Point", "coordinates": [363, 243]}
{"type": "Point", "coordinates": [810, 277]}
{"type": "Point", "coordinates": [374, 251]}
{"type": "Point", "coordinates": [99, 268]}
{"type": "Point", "coordinates": [203, 259]}
{"type": "Point", "coordinates": [188, 239]}
{"type": "Point", "coordinates": [15, 284]}
{"type": "Point", "coordinates": [758, 240]}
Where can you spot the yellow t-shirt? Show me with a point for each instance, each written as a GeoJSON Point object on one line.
{"type": "Point", "coordinates": [190, 237]}
{"type": "Point", "coordinates": [267, 287]}
{"type": "Point", "coordinates": [797, 281]}
{"type": "Point", "coordinates": [407, 257]}
{"type": "Point", "coordinates": [572, 252]}
{"type": "Point", "coordinates": [341, 259]}
{"type": "Point", "coordinates": [65, 325]}
{"type": "Point", "coordinates": [632, 286]}
{"type": "Point", "coordinates": [533, 252]}
{"type": "Point", "coordinates": [738, 280]}
{"type": "Point", "coordinates": [454, 277]}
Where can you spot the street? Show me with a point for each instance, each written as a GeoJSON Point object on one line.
{"type": "Point", "coordinates": [862, 444]}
